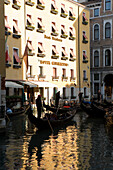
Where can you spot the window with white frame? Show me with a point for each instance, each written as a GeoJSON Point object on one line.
{"type": "Point", "coordinates": [72, 91]}
{"type": "Point", "coordinates": [72, 55]}
{"type": "Point", "coordinates": [107, 5]}
{"type": "Point", "coordinates": [64, 92]}
{"type": "Point", "coordinates": [84, 55]}
{"type": "Point", "coordinates": [40, 70]}
{"type": "Point", "coordinates": [63, 52]}
{"type": "Point", "coordinates": [96, 12]}
{"type": "Point", "coordinates": [29, 20]}
{"type": "Point", "coordinates": [108, 30]}
{"type": "Point", "coordinates": [54, 28]}
{"type": "Point", "coordinates": [84, 19]}
{"type": "Point", "coordinates": [63, 72]}
{"type": "Point", "coordinates": [84, 36]}
{"type": "Point", "coordinates": [84, 74]}
{"type": "Point", "coordinates": [40, 24]}
{"type": "Point", "coordinates": [54, 50]}
{"type": "Point", "coordinates": [53, 5]}
{"type": "Point", "coordinates": [96, 58]}
{"type": "Point", "coordinates": [96, 32]}
{"type": "Point", "coordinates": [71, 13]}
{"type": "Point", "coordinates": [72, 73]}
{"type": "Point", "coordinates": [63, 9]}
{"type": "Point", "coordinates": [96, 77]}
{"type": "Point", "coordinates": [71, 32]}
{"type": "Point", "coordinates": [30, 47]}
{"type": "Point", "coordinates": [54, 72]}
{"type": "Point", "coordinates": [63, 31]}
{"type": "Point", "coordinates": [96, 87]}
{"type": "Point", "coordinates": [107, 57]}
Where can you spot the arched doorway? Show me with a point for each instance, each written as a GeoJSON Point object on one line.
{"type": "Point", "coordinates": [108, 80]}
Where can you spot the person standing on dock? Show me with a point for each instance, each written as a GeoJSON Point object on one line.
{"type": "Point", "coordinates": [39, 105]}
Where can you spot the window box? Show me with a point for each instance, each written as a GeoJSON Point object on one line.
{"type": "Point", "coordinates": [40, 55]}
{"type": "Point", "coordinates": [85, 79]}
{"type": "Point", "coordinates": [72, 38]}
{"type": "Point", "coordinates": [53, 11]}
{"type": "Point", "coordinates": [72, 78]}
{"type": "Point", "coordinates": [64, 78]}
{"type": "Point", "coordinates": [64, 58]}
{"type": "Point", "coordinates": [55, 78]}
{"type": "Point", "coordinates": [72, 59]}
{"type": "Point", "coordinates": [85, 61]}
{"type": "Point", "coordinates": [40, 30]}
{"type": "Point", "coordinates": [6, 2]}
{"type": "Point", "coordinates": [64, 36]}
{"type": "Point", "coordinates": [31, 54]}
{"type": "Point", "coordinates": [63, 15]}
{"type": "Point", "coordinates": [30, 27]}
{"type": "Point", "coordinates": [29, 3]}
{"type": "Point", "coordinates": [54, 33]}
{"type": "Point", "coordinates": [85, 41]}
{"type": "Point", "coordinates": [16, 6]}
{"type": "Point", "coordinates": [84, 22]}
{"type": "Point", "coordinates": [17, 36]}
{"type": "Point", "coordinates": [16, 66]}
{"type": "Point", "coordinates": [40, 6]}
{"type": "Point", "coordinates": [71, 18]}
{"type": "Point", "coordinates": [54, 56]}
{"type": "Point", "coordinates": [7, 33]}
{"type": "Point", "coordinates": [8, 65]}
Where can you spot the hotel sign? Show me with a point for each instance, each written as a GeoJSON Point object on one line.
{"type": "Point", "coordinates": [53, 63]}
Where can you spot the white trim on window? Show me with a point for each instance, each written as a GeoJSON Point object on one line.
{"type": "Point", "coordinates": [104, 56]}
{"type": "Point", "coordinates": [93, 56]}
{"type": "Point", "coordinates": [93, 31]}
{"type": "Point", "coordinates": [105, 21]}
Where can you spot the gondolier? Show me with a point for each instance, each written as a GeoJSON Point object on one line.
{"type": "Point", "coordinates": [39, 105]}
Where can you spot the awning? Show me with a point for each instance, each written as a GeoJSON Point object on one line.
{"type": "Point", "coordinates": [13, 85]}
{"type": "Point", "coordinates": [44, 84]}
{"type": "Point", "coordinates": [28, 83]}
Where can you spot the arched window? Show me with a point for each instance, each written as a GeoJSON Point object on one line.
{"type": "Point", "coordinates": [96, 59]}
{"type": "Point", "coordinates": [107, 30]}
{"type": "Point", "coordinates": [107, 58]}
{"type": "Point", "coordinates": [96, 32]}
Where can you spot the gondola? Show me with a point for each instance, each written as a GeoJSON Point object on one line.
{"type": "Point", "coordinates": [93, 110]}
{"type": "Point", "coordinates": [51, 120]}
{"type": "Point", "coordinates": [58, 110]}
{"type": "Point", "coordinates": [19, 111]}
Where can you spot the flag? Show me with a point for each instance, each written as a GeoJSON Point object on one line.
{"type": "Point", "coordinates": [16, 56]}
{"type": "Point", "coordinates": [25, 56]}
{"type": "Point", "coordinates": [7, 58]}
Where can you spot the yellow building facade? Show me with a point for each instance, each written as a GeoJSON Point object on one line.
{"type": "Point", "coordinates": [57, 37]}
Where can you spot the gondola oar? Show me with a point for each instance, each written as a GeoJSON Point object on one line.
{"type": "Point", "coordinates": [49, 124]}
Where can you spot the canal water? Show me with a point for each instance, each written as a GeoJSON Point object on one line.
{"type": "Point", "coordinates": [82, 144]}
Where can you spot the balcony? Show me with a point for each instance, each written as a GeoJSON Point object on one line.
{"type": "Point", "coordinates": [64, 58]}
{"type": "Point", "coordinates": [64, 78]}
{"type": "Point", "coordinates": [40, 55]}
{"type": "Point", "coordinates": [30, 53]}
{"type": "Point", "coordinates": [85, 41]}
{"type": "Point", "coordinates": [17, 7]}
{"type": "Point", "coordinates": [64, 36]}
{"type": "Point", "coordinates": [30, 27]}
{"type": "Point", "coordinates": [40, 30]}
{"type": "Point", "coordinates": [72, 79]}
{"type": "Point", "coordinates": [16, 66]}
{"type": "Point", "coordinates": [72, 59]}
{"type": "Point", "coordinates": [53, 11]}
{"type": "Point", "coordinates": [30, 3]}
{"type": "Point", "coordinates": [85, 61]}
{"type": "Point", "coordinates": [54, 33]}
{"type": "Point", "coordinates": [71, 38]}
{"type": "Point", "coordinates": [71, 18]}
{"type": "Point", "coordinates": [41, 77]}
{"type": "Point", "coordinates": [84, 22]}
{"type": "Point", "coordinates": [40, 6]}
{"type": "Point", "coordinates": [54, 56]}
{"type": "Point", "coordinates": [17, 36]}
{"type": "Point", "coordinates": [55, 78]}
{"type": "Point", "coordinates": [63, 15]}
{"type": "Point", "coordinates": [7, 33]}
{"type": "Point", "coordinates": [6, 2]}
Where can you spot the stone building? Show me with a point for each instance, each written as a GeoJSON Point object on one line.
{"type": "Point", "coordinates": [101, 53]}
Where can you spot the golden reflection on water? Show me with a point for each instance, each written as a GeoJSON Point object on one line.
{"type": "Point", "coordinates": [67, 150]}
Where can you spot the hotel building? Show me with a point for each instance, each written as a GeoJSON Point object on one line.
{"type": "Point", "coordinates": [55, 34]}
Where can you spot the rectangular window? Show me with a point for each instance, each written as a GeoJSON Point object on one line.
{"type": "Point", "coordinates": [96, 88]}
{"type": "Point", "coordinates": [85, 91]}
{"type": "Point", "coordinates": [41, 70]}
{"type": "Point", "coordinates": [107, 4]}
{"type": "Point", "coordinates": [72, 91]}
{"type": "Point", "coordinates": [63, 72]}
{"type": "Point", "coordinates": [40, 48]}
{"type": "Point", "coordinates": [54, 72]}
{"type": "Point", "coordinates": [72, 73]}
{"type": "Point", "coordinates": [84, 74]}
{"type": "Point", "coordinates": [16, 59]}
{"type": "Point", "coordinates": [15, 27]}
{"type": "Point", "coordinates": [64, 92]}
{"type": "Point", "coordinates": [96, 76]}
{"type": "Point", "coordinates": [96, 12]}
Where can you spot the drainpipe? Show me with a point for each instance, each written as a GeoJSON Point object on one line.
{"type": "Point", "coordinates": [79, 51]}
